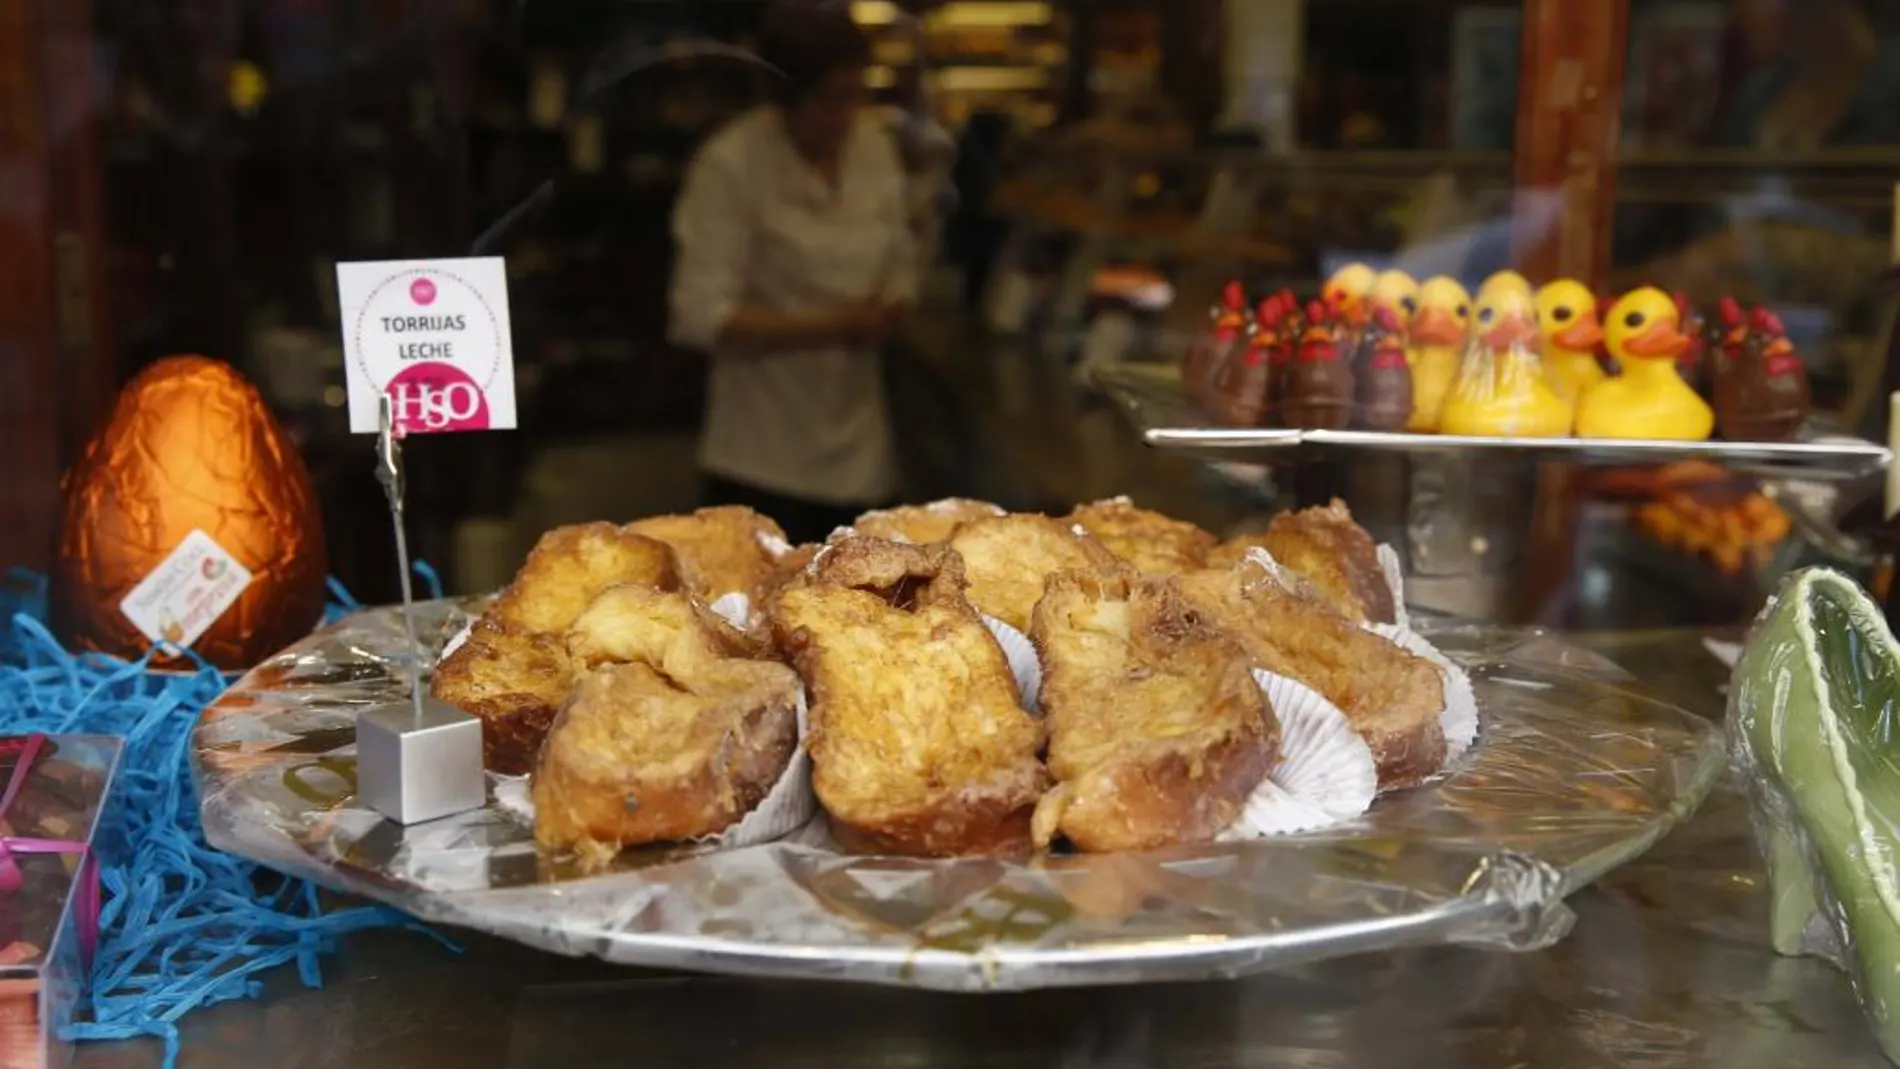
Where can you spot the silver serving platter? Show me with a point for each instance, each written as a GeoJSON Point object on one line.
{"type": "Point", "coordinates": [1576, 772]}
{"type": "Point", "coordinates": [1151, 397]}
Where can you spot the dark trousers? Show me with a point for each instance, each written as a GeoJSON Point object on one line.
{"type": "Point", "coordinates": [804, 521]}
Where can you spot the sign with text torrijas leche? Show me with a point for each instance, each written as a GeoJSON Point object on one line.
{"type": "Point", "coordinates": [433, 335]}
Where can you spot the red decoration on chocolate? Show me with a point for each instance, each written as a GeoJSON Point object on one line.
{"type": "Point", "coordinates": [1385, 382]}
{"type": "Point", "coordinates": [1319, 385]}
{"type": "Point", "coordinates": [1761, 389]}
{"type": "Point", "coordinates": [1205, 357]}
{"type": "Point", "coordinates": [1689, 361]}
{"type": "Point", "coordinates": [1243, 387]}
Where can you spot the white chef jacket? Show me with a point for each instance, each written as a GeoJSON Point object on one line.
{"type": "Point", "coordinates": [757, 225]}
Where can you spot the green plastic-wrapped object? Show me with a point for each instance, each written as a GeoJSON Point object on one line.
{"type": "Point", "coordinates": [1814, 727]}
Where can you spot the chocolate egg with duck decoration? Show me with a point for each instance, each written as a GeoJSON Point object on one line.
{"type": "Point", "coordinates": [190, 447]}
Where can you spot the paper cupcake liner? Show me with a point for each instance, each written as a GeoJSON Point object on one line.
{"type": "Point", "coordinates": [1325, 774]}
{"type": "Point", "coordinates": [774, 546]}
{"type": "Point", "coordinates": [456, 640]}
{"type": "Point", "coordinates": [1023, 663]}
{"type": "Point", "coordinates": [786, 808]}
{"type": "Point", "coordinates": [734, 608]}
{"type": "Point", "coordinates": [1265, 560]}
{"type": "Point", "coordinates": [1459, 718]}
{"type": "Point", "coordinates": [512, 796]}
{"type": "Point", "coordinates": [1395, 581]}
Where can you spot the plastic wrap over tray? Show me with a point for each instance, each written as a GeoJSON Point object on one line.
{"type": "Point", "coordinates": [1575, 773]}
{"type": "Point", "coordinates": [1813, 712]}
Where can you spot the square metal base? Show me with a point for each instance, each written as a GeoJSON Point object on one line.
{"type": "Point", "coordinates": [412, 771]}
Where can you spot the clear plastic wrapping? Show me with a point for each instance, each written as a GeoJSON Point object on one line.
{"type": "Point", "coordinates": [1576, 772]}
{"type": "Point", "coordinates": [1814, 731]}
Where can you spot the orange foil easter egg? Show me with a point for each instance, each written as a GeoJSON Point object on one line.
{"type": "Point", "coordinates": [191, 446]}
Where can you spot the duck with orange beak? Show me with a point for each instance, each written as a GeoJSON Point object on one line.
{"type": "Point", "coordinates": [1643, 332]}
{"type": "Point", "coordinates": [1567, 316]}
{"type": "Point", "coordinates": [1439, 330]}
{"type": "Point", "coordinates": [1500, 390]}
{"type": "Point", "coordinates": [1349, 290]}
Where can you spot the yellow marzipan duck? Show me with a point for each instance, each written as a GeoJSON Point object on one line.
{"type": "Point", "coordinates": [1649, 399]}
{"type": "Point", "coordinates": [1567, 316]}
{"type": "Point", "coordinates": [1499, 281]}
{"type": "Point", "coordinates": [1438, 333]}
{"type": "Point", "coordinates": [1347, 290]}
{"type": "Point", "coordinates": [1500, 389]}
{"type": "Point", "coordinates": [1396, 290]}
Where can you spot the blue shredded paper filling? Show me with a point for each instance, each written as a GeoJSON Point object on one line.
{"type": "Point", "coordinates": [182, 925]}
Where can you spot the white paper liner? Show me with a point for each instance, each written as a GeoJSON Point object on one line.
{"type": "Point", "coordinates": [787, 807]}
{"type": "Point", "coordinates": [774, 546]}
{"type": "Point", "coordinates": [1459, 718]}
{"type": "Point", "coordinates": [456, 640]}
{"type": "Point", "coordinates": [1325, 775]}
{"type": "Point", "coordinates": [1394, 580]}
{"type": "Point", "coordinates": [1259, 555]}
{"type": "Point", "coordinates": [512, 796]}
{"type": "Point", "coordinates": [1023, 663]}
{"type": "Point", "coordinates": [734, 608]}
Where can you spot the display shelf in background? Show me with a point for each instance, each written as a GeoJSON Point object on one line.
{"type": "Point", "coordinates": [1151, 396]}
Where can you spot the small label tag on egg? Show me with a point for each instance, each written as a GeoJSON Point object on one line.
{"type": "Point", "coordinates": [187, 592]}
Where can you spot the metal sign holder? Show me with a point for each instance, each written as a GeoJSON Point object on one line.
{"type": "Point", "coordinates": [421, 761]}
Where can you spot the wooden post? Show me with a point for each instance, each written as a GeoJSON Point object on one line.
{"type": "Point", "coordinates": [1569, 103]}
{"type": "Point", "coordinates": [56, 373]}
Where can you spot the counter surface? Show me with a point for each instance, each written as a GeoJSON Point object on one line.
{"type": "Point", "coordinates": [1668, 965]}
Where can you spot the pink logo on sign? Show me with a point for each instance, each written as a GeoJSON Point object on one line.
{"type": "Point", "coordinates": [435, 397]}
{"type": "Point", "coordinates": [422, 291]}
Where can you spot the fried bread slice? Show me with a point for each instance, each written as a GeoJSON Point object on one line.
{"type": "Point", "coordinates": [513, 680]}
{"type": "Point", "coordinates": [1329, 550]}
{"type": "Point", "coordinates": [642, 756]}
{"type": "Point", "coordinates": [919, 744]}
{"type": "Point", "coordinates": [923, 524]}
{"type": "Point", "coordinates": [730, 549]}
{"type": "Point", "coordinates": [570, 566]}
{"type": "Point", "coordinates": [1007, 559]}
{"type": "Point", "coordinates": [1155, 544]}
{"type": "Point", "coordinates": [1157, 731]}
{"type": "Point", "coordinates": [670, 631]}
{"type": "Point", "coordinates": [1392, 697]}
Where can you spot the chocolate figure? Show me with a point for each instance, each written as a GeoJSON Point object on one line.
{"type": "Point", "coordinates": [1319, 393]}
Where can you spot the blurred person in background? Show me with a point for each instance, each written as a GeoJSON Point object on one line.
{"type": "Point", "coordinates": [797, 261]}
{"type": "Point", "coordinates": [974, 235]}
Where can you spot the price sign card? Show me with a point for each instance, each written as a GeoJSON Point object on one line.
{"type": "Point", "coordinates": [433, 335]}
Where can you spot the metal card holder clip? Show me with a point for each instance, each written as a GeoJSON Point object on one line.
{"type": "Point", "coordinates": [422, 762]}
